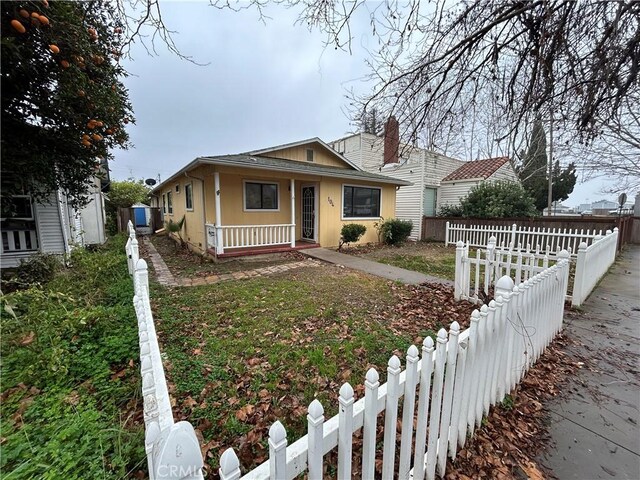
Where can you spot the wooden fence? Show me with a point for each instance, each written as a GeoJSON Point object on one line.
{"type": "Point", "coordinates": [435, 228]}
{"type": "Point", "coordinates": [447, 391]}
{"type": "Point", "coordinates": [172, 448]}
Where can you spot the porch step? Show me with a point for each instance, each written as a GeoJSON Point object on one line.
{"type": "Point", "coordinates": [245, 251]}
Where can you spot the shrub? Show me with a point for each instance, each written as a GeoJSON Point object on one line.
{"type": "Point", "coordinates": [351, 233]}
{"type": "Point", "coordinates": [39, 269]}
{"type": "Point", "coordinates": [394, 231]}
{"type": "Point", "coordinates": [176, 227]}
{"type": "Point", "coordinates": [498, 200]}
{"type": "Point", "coordinates": [450, 211]}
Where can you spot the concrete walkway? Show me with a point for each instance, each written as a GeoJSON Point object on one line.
{"type": "Point", "coordinates": [374, 268]}
{"type": "Point", "coordinates": [595, 422]}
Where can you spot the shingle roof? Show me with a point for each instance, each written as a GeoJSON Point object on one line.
{"type": "Point", "coordinates": [282, 165]}
{"type": "Point", "coordinates": [477, 169]}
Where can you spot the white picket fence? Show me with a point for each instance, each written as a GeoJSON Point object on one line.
{"type": "Point", "coordinates": [172, 449]}
{"type": "Point", "coordinates": [475, 274]}
{"type": "Point", "coordinates": [455, 384]}
{"type": "Point", "coordinates": [520, 238]}
{"type": "Point", "coordinates": [592, 263]}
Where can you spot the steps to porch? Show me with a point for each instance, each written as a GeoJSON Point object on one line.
{"type": "Point", "coordinates": [260, 250]}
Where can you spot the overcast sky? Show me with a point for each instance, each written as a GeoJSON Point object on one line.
{"type": "Point", "coordinates": [264, 85]}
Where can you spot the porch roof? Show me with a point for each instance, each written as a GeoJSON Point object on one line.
{"type": "Point", "coordinates": [282, 165]}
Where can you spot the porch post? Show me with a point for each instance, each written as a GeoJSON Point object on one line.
{"type": "Point", "coordinates": [219, 246]}
{"type": "Point", "coordinates": [293, 213]}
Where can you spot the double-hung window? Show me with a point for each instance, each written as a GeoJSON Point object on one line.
{"type": "Point", "coordinates": [164, 203]}
{"type": "Point", "coordinates": [170, 203]}
{"type": "Point", "coordinates": [260, 196]}
{"type": "Point", "coordinates": [188, 196]}
{"type": "Point", "coordinates": [360, 202]}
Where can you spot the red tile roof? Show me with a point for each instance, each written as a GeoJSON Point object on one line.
{"type": "Point", "coordinates": [477, 169]}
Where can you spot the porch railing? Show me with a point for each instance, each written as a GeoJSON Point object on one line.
{"type": "Point", "coordinates": [19, 240]}
{"type": "Point", "coordinates": [242, 236]}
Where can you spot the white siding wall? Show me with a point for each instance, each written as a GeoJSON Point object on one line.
{"type": "Point", "coordinates": [409, 198]}
{"type": "Point", "coordinates": [50, 233]}
{"type": "Point", "coordinates": [505, 172]}
{"type": "Point", "coordinates": [451, 193]}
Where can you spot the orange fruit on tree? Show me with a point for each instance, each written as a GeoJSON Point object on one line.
{"type": "Point", "coordinates": [86, 137]}
{"type": "Point", "coordinates": [23, 13]}
{"type": "Point", "coordinates": [35, 14]}
{"type": "Point", "coordinates": [108, 131]}
{"type": "Point", "coordinates": [17, 26]}
{"type": "Point", "coordinates": [65, 64]}
{"type": "Point", "coordinates": [86, 143]}
{"type": "Point", "coordinates": [54, 48]}
{"type": "Point", "coordinates": [99, 124]}
{"type": "Point", "coordinates": [45, 3]}
{"type": "Point", "coordinates": [43, 20]}
{"type": "Point", "coordinates": [91, 124]}
{"type": "Point", "coordinates": [97, 137]}
{"type": "Point", "coordinates": [81, 93]}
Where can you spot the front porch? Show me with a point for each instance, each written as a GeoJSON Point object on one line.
{"type": "Point", "coordinates": [224, 241]}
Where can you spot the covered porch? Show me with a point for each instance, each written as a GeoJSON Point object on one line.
{"type": "Point", "coordinates": [225, 241]}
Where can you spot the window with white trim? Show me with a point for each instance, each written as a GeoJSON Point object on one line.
{"type": "Point", "coordinates": [260, 196]}
{"type": "Point", "coordinates": [170, 203]}
{"type": "Point", "coordinates": [188, 196]}
{"type": "Point", "coordinates": [164, 203]}
{"type": "Point", "coordinates": [309, 155]}
{"type": "Point", "coordinates": [360, 202]}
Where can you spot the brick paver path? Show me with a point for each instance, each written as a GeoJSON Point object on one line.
{"type": "Point", "coordinates": [165, 277]}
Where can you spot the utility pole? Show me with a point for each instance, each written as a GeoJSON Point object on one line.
{"type": "Point", "coordinates": [550, 192]}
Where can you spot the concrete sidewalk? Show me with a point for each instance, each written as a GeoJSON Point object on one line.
{"type": "Point", "coordinates": [595, 422]}
{"type": "Point", "coordinates": [374, 268]}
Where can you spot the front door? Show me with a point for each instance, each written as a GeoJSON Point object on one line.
{"type": "Point", "coordinates": [308, 212]}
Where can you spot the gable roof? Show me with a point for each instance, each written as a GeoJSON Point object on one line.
{"type": "Point", "coordinates": [282, 165]}
{"type": "Point", "coordinates": [477, 169]}
{"type": "Point", "coordinates": [304, 142]}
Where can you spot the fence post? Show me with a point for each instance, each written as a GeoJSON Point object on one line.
{"type": "Point", "coordinates": [177, 452]}
{"type": "Point", "coordinates": [423, 410]}
{"type": "Point", "coordinates": [446, 235]}
{"type": "Point", "coordinates": [447, 397]}
{"type": "Point", "coordinates": [371, 385]}
{"type": "Point", "coordinates": [408, 410]}
{"type": "Point", "coordinates": [229, 465]}
{"type": "Point", "coordinates": [277, 451]}
{"type": "Point", "coordinates": [491, 249]}
{"type": "Point", "coordinates": [345, 431]}
{"type": "Point", "coordinates": [514, 232]}
{"type": "Point", "coordinates": [315, 422]}
{"type": "Point", "coordinates": [436, 403]}
{"type": "Point", "coordinates": [578, 281]}
{"type": "Point", "coordinates": [459, 274]}
{"type": "Point", "coordinates": [390, 418]}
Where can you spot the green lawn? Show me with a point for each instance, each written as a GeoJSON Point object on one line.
{"type": "Point", "coordinates": [70, 386]}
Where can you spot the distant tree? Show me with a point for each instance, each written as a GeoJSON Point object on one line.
{"type": "Point", "coordinates": [63, 104]}
{"type": "Point", "coordinates": [533, 171]}
{"type": "Point", "coordinates": [498, 200]}
{"type": "Point", "coordinates": [123, 194]}
{"type": "Point", "coordinates": [370, 122]}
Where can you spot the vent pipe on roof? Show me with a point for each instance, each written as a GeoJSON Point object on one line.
{"type": "Point", "coordinates": [391, 141]}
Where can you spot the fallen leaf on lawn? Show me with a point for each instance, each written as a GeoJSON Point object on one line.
{"type": "Point", "coordinates": [26, 340]}
{"type": "Point", "coordinates": [245, 412]}
{"type": "Point", "coordinates": [532, 470]}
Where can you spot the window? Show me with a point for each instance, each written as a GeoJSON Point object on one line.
{"type": "Point", "coordinates": [188, 196]}
{"type": "Point", "coordinates": [164, 203]}
{"type": "Point", "coordinates": [360, 202]}
{"type": "Point", "coordinates": [17, 207]}
{"type": "Point", "coordinates": [178, 188]}
{"type": "Point", "coordinates": [260, 196]}
{"type": "Point", "coordinates": [309, 155]}
{"type": "Point", "coordinates": [170, 203]}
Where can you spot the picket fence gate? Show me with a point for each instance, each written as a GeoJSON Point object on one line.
{"type": "Point", "coordinates": [456, 381]}
{"type": "Point", "coordinates": [520, 238]}
{"type": "Point", "coordinates": [476, 273]}
{"type": "Point", "coordinates": [173, 450]}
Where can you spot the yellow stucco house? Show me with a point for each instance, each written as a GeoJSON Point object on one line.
{"type": "Point", "coordinates": [286, 197]}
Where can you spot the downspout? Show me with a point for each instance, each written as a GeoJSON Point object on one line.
{"type": "Point", "coordinates": [63, 222]}
{"type": "Point", "coordinates": [204, 212]}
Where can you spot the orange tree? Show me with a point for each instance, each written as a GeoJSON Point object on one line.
{"type": "Point", "coordinates": [63, 104]}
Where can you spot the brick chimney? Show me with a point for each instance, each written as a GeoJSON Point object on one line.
{"type": "Point", "coordinates": [391, 141]}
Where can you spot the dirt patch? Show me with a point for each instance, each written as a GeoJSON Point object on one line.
{"type": "Point", "coordinates": [185, 263]}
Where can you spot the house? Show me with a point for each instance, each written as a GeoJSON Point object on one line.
{"type": "Point", "coordinates": [437, 180]}
{"type": "Point", "coordinates": [286, 197]}
{"type": "Point", "coordinates": [50, 226]}
{"type": "Point", "coordinates": [458, 183]}
{"type": "Point", "coordinates": [423, 168]}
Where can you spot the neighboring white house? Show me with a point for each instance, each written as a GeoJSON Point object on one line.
{"type": "Point", "coordinates": [456, 185]}
{"type": "Point", "coordinates": [422, 167]}
{"type": "Point", "coordinates": [52, 226]}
